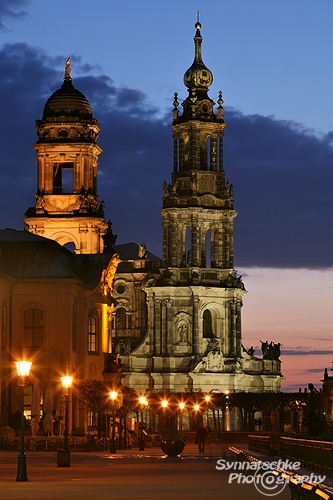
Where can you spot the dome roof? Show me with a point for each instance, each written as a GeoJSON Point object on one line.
{"type": "Point", "coordinates": [67, 102]}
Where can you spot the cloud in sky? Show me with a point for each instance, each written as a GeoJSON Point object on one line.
{"type": "Point", "coordinates": [315, 370]}
{"type": "Point", "coordinates": [282, 173]}
{"type": "Point", "coordinates": [11, 10]}
{"type": "Point", "coordinates": [296, 352]}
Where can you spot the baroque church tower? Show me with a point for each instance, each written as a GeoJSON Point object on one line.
{"type": "Point", "coordinates": [194, 338]}
{"type": "Point", "coordinates": [67, 207]}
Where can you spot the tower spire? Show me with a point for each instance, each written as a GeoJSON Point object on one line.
{"type": "Point", "coordinates": [198, 76]}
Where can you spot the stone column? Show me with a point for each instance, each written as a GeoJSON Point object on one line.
{"type": "Point", "coordinates": [173, 244]}
{"type": "Point", "coordinates": [195, 322]}
{"type": "Point", "coordinates": [227, 246]}
{"type": "Point", "coordinates": [195, 244]}
{"type": "Point", "coordinates": [213, 156]}
{"type": "Point", "coordinates": [222, 248]}
{"type": "Point", "coordinates": [233, 328]}
{"type": "Point", "coordinates": [157, 328]}
{"type": "Point", "coordinates": [239, 304]}
{"type": "Point", "coordinates": [231, 244]}
{"type": "Point", "coordinates": [175, 155]}
{"type": "Point", "coordinates": [220, 153]}
{"type": "Point", "coordinates": [168, 327]}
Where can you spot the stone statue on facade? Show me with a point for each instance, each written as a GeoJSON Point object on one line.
{"type": "Point", "coordinates": [182, 332]}
{"type": "Point", "coordinates": [142, 251]}
{"type": "Point", "coordinates": [270, 350]}
{"type": "Point", "coordinates": [108, 275]}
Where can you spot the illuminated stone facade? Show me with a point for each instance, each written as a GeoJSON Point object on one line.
{"type": "Point", "coordinates": [194, 336]}
{"type": "Point", "coordinates": [175, 322]}
{"type": "Point", "coordinates": [67, 207]}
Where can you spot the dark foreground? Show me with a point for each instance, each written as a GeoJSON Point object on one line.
{"type": "Point", "coordinates": [128, 474]}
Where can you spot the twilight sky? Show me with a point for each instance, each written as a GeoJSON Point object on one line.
{"type": "Point", "coordinates": [274, 63]}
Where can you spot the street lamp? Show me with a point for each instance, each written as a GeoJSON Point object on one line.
{"type": "Point", "coordinates": [23, 369]}
{"type": "Point", "coordinates": [181, 408]}
{"type": "Point", "coordinates": [164, 405]}
{"type": "Point", "coordinates": [143, 402]}
{"type": "Point", "coordinates": [63, 456]}
{"type": "Point", "coordinates": [113, 397]}
{"type": "Point", "coordinates": [196, 409]}
{"type": "Point", "coordinates": [207, 399]}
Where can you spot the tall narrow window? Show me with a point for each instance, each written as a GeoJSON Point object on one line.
{"type": "Point", "coordinates": [188, 248]}
{"type": "Point", "coordinates": [219, 151]}
{"type": "Point", "coordinates": [187, 153]}
{"type": "Point", "coordinates": [207, 326]}
{"type": "Point", "coordinates": [176, 154]}
{"type": "Point", "coordinates": [123, 322]}
{"type": "Point", "coordinates": [93, 331]}
{"type": "Point", "coordinates": [208, 151]}
{"type": "Point", "coordinates": [33, 328]}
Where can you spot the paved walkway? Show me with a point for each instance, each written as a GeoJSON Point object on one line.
{"type": "Point", "coordinates": [130, 474]}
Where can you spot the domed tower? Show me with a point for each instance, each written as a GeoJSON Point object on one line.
{"type": "Point", "coordinates": [67, 207]}
{"type": "Point", "coordinates": [194, 338]}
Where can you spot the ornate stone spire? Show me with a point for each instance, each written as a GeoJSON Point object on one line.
{"type": "Point", "coordinates": [198, 76]}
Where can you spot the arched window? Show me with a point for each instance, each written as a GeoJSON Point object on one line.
{"type": "Point", "coordinates": [33, 328]}
{"type": "Point", "coordinates": [123, 320]}
{"type": "Point", "coordinates": [93, 332]}
{"type": "Point", "coordinates": [207, 326]}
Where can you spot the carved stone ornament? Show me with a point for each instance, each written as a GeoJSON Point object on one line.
{"type": "Point", "coordinates": [108, 276]}
{"type": "Point", "coordinates": [213, 362]}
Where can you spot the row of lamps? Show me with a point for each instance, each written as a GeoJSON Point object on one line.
{"type": "Point", "coordinates": [23, 370]}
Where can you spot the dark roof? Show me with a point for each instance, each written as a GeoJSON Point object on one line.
{"type": "Point", "coordinates": [27, 256]}
{"type": "Point", "coordinates": [129, 251]}
{"type": "Point", "coordinates": [67, 102]}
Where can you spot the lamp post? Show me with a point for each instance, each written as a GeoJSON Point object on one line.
{"type": "Point", "coordinates": [196, 409]}
{"type": "Point", "coordinates": [181, 408]}
{"type": "Point", "coordinates": [23, 369]}
{"type": "Point", "coordinates": [227, 412]}
{"type": "Point", "coordinates": [164, 405]}
{"type": "Point", "coordinates": [207, 399]}
{"type": "Point", "coordinates": [63, 456]}
{"type": "Point", "coordinates": [143, 402]}
{"type": "Point", "coordinates": [113, 397]}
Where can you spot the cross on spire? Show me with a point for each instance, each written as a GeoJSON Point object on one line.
{"type": "Point", "coordinates": [198, 16]}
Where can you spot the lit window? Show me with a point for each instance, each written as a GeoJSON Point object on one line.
{"type": "Point", "coordinates": [90, 418]}
{"type": "Point", "coordinates": [93, 328]}
{"type": "Point", "coordinates": [33, 328]}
